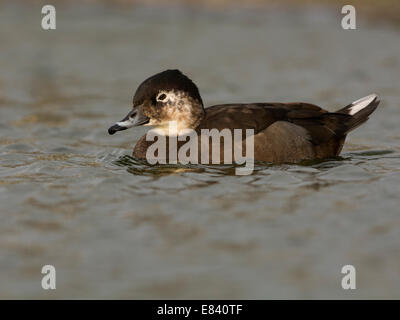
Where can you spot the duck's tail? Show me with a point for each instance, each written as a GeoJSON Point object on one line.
{"type": "Point", "coordinates": [360, 111]}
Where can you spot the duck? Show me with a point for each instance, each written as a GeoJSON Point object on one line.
{"type": "Point", "coordinates": [290, 132]}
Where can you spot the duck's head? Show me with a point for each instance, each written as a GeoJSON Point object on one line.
{"type": "Point", "coordinates": [165, 97]}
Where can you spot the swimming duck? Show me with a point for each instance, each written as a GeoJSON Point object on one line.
{"type": "Point", "coordinates": [283, 132]}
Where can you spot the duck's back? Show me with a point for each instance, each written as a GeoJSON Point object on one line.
{"type": "Point", "coordinates": [283, 132]}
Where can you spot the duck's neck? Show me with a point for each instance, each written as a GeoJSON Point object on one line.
{"type": "Point", "coordinates": [197, 115]}
{"type": "Point", "coordinates": [183, 121]}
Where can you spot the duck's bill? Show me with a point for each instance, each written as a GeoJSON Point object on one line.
{"type": "Point", "coordinates": [133, 119]}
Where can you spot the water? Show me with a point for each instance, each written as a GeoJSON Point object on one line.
{"type": "Point", "coordinates": [115, 227]}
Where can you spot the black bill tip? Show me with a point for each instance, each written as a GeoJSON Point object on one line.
{"type": "Point", "coordinates": [113, 129]}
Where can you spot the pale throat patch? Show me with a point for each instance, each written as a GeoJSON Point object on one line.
{"type": "Point", "coordinates": [170, 128]}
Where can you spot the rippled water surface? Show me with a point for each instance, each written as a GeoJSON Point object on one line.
{"type": "Point", "coordinates": [115, 227]}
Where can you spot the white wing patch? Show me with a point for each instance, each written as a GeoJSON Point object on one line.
{"type": "Point", "coordinates": [362, 103]}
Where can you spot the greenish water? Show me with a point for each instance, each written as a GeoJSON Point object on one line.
{"type": "Point", "coordinates": [115, 227]}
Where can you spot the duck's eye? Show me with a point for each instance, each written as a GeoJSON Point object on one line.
{"type": "Point", "coordinates": [161, 97]}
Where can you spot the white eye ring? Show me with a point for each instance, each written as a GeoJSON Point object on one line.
{"type": "Point", "coordinates": [161, 96]}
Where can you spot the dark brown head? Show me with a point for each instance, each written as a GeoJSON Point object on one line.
{"type": "Point", "coordinates": [165, 97]}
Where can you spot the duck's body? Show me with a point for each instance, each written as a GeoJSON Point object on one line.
{"type": "Point", "coordinates": [283, 132]}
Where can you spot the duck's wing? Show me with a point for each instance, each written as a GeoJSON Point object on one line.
{"type": "Point", "coordinates": [320, 124]}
